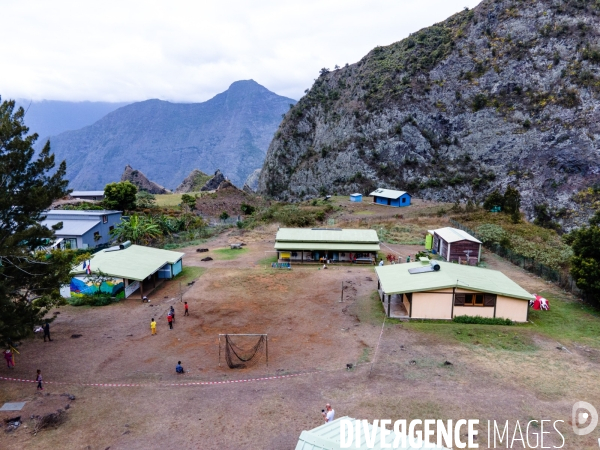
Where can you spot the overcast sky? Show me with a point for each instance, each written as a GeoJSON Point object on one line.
{"type": "Point", "coordinates": [188, 51]}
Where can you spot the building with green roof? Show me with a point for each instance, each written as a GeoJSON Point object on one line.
{"type": "Point", "coordinates": [302, 245]}
{"type": "Point", "coordinates": [442, 290]}
{"type": "Point", "coordinates": [129, 267]}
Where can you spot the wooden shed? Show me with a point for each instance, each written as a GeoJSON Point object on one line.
{"type": "Point", "coordinates": [455, 245]}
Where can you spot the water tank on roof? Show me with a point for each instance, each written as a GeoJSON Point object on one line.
{"type": "Point", "coordinates": [125, 245]}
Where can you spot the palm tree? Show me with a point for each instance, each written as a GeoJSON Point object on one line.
{"type": "Point", "coordinates": [138, 229]}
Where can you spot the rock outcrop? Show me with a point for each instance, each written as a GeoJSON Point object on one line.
{"type": "Point", "coordinates": [193, 182]}
{"type": "Point", "coordinates": [504, 94]}
{"type": "Point", "coordinates": [142, 182]}
{"type": "Point", "coordinates": [214, 183]}
{"type": "Point", "coordinates": [251, 183]}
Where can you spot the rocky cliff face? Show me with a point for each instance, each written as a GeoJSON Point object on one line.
{"type": "Point", "coordinates": [505, 94]}
{"type": "Point", "coordinates": [214, 183]}
{"type": "Point", "coordinates": [251, 183]}
{"type": "Point", "coordinates": [142, 182]}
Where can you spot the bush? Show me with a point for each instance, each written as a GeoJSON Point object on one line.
{"type": "Point", "coordinates": [491, 234]}
{"type": "Point", "coordinates": [92, 300]}
{"type": "Point", "coordinates": [247, 209]}
{"type": "Point", "coordinates": [482, 320]}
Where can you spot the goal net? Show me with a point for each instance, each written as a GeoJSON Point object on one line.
{"type": "Point", "coordinates": [243, 350]}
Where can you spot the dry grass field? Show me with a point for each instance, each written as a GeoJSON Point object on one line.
{"type": "Point", "coordinates": [514, 373]}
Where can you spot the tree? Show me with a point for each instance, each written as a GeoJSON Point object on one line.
{"type": "Point", "coordinates": [138, 229]}
{"type": "Point", "coordinates": [585, 264]}
{"type": "Point", "coordinates": [30, 279]}
{"type": "Point", "coordinates": [189, 200]}
{"type": "Point", "coordinates": [120, 196]}
{"type": "Point", "coordinates": [224, 216]}
{"type": "Point", "coordinates": [494, 199]}
{"type": "Point", "coordinates": [512, 203]}
{"type": "Point", "coordinates": [145, 200]}
{"type": "Point", "coordinates": [543, 217]}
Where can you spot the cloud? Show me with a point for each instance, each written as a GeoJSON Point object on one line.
{"type": "Point", "coordinates": [190, 51]}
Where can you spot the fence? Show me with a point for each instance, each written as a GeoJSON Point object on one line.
{"type": "Point", "coordinates": [564, 280]}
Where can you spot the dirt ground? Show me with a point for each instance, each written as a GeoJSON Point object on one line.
{"type": "Point", "coordinates": [311, 333]}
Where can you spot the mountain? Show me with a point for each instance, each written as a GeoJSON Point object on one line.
{"type": "Point", "coordinates": [50, 117]}
{"type": "Point", "coordinates": [142, 182]}
{"type": "Point", "coordinates": [504, 94]}
{"type": "Point", "coordinates": [193, 182]}
{"type": "Point", "coordinates": [165, 140]}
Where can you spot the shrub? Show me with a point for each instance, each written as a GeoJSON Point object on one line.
{"type": "Point", "coordinates": [479, 102]}
{"type": "Point", "coordinates": [491, 234]}
{"type": "Point", "coordinates": [247, 209]}
{"type": "Point", "coordinates": [92, 300]}
{"type": "Point", "coordinates": [482, 320]}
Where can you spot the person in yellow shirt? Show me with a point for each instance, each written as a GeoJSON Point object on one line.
{"type": "Point", "coordinates": [153, 326]}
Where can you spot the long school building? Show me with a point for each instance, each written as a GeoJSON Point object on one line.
{"type": "Point", "coordinates": [417, 291]}
{"type": "Point", "coordinates": [305, 245]}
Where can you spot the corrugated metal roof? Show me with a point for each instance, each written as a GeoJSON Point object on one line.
{"type": "Point", "coordinates": [135, 263]}
{"type": "Point", "coordinates": [71, 227]}
{"type": "Point", "coordinates": [308, 246]}
{"type": "Point", "coordinates": [69, 212]}
{"type": "Point", "coordinates": [87, 194]}
{"type": "Point", "coordinates": [356, 195]}
{"type": "Point", "coordinates": [387, 193]}
{"type": "Point", "coordinates": [327, 235]}
{"type": "Point", "coordinates": [395, 279]}
{"type": "Point", "coordinates": [450, 235]}
{"type": "Point", "coordinates": [328, 437]}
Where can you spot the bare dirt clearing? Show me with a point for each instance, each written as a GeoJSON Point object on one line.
{"type": "Point", "coordinates": [309, 330]}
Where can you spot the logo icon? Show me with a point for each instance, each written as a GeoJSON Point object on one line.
{"type": "Point", "coordinates": [582, 411]}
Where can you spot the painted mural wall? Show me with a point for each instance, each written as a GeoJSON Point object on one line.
{"type": "Point", "coordinates": [81, 287]}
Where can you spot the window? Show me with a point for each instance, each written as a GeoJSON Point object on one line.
{"type": "Point", "coordinates": [474, 300]}
{"type": "Point", "coordinates": [111, 228]}
{"type": "Point", "coordinates": [294, 254]}
{"type": "Point", "coordinates": [97, 236]}
{"type": "Point", "coordinates": [404, 200]}
{"type": "Point", "coordinates": [69, 244]}
{"type": "Point", "coordinates": [342, 254]}
{"type": "Point", "coordinates": [104, 219]}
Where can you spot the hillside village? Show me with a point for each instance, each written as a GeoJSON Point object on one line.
{"type": "Point", "coordinates": [400, 254]}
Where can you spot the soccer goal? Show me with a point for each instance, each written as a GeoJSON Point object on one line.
{"type": "Point", "coordinates": [243, 350]}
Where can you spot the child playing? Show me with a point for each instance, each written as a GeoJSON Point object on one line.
{"type": "Point", "coordinates": [170, 320]}
{"type": "Point", "coordinates": [9, 358]}
{"type": "Point", "coordinates": [186, 313]}
{"type": "Point", "coordinates": [153, 326]}
{"type": "Point", "coordinates": [38, 378]}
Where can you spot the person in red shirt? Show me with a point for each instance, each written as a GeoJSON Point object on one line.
{"type": "Point", "coordinates": [186, 313]}
{"type": "Point", "coordinates": [170, 320]}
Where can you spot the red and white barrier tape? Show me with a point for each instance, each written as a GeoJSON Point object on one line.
{"type": "Point", "coordinates": [198, 383]}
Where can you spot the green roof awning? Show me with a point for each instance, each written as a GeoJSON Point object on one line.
{"type": "Point", "coordinates": [319, 246]}
{"type": "Point", "coordinates": [134, 263]}
{"type": "Point", "coordinates": [396, 279]}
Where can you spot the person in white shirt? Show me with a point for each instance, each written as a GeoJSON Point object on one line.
{"type": "Point", "coordinates": [328, 413]}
